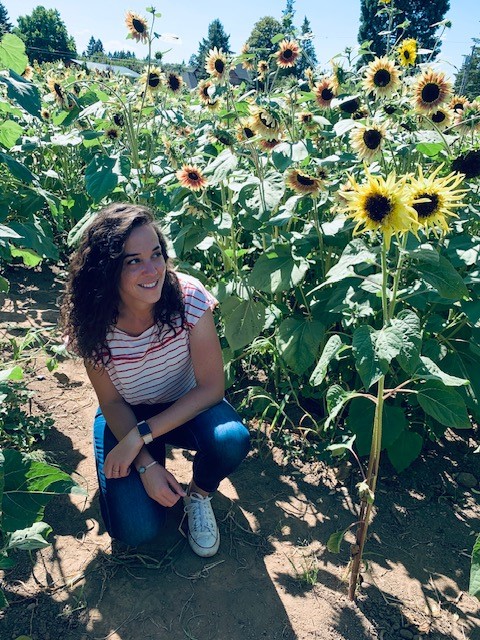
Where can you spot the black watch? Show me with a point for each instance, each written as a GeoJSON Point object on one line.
{"type": "Point", "coordinates": [145, 431]}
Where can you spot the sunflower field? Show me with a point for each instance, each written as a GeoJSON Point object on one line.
{"type": "Point", "coordinates": [335, 217]}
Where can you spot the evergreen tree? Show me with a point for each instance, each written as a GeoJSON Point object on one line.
{"type": "Point", "coordinates": [5, 25]}
{"type": "Point", "coordinates": [216, 38]}
{"type": "Point", "coordinates": [45, 36]}
{"type": "Point", "coordinates": [260, 39]}
{"type": "Point", "coordinates": [91, 48]}
{"type": "Point", "coordinates": [308, 57]}
{"type": "Point", "coordinates": [419, 14]}
{"type": "Point", "coordinates": [288, 28]}
{"type": "Point", "coordinates": [467, 82]}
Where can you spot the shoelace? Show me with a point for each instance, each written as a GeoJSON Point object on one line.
{"type": "Point", "coordinates": [200, 510]}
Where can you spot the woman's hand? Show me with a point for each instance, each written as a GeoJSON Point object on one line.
{"type": "Point", "coordinates": [118, 461]}
{"type": "Point", "coordinates": [162, 486]}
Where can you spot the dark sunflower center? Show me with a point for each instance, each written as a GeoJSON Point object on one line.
{"type": "Point", "coordinates": [350, 106]}
{"type": "Point", "coordinates": [138, 25]}
{"type": "Point", "coordinates": [205, 93]}
{"type": "Point", "coordinates": [153, 80]}
{"type": "Point", "coordinates": [219, 65]}
{"type": "Point", "coordinates": [287, 54]}
{"type": "Point", "coordinates": [112, 134]}
{"type": "Point", "coordinates": [327, 94]}
{"type": "Point", "coordinates": [307, 117]}
{"type": "Point", "coordinates": [426, 209]}
{"type": "Point", "coordinates": [173, 83]}
{"type": "Point", "coordinates": [382, 78]}
{"type": "Point", "coordinates": [469, 164]}
{"type": "Point", "coordinates": [458, 105]}
{"type": "Point", "coordinates": [305, 181]}
{"type": "Point", "coordinates": [378, 207]}
{"type": "Point", "coordinates": [372, 138]}
{"type": "Point", "coordinates": [193, 175]}
{"type": "Point", "coordinates": [406, 54]}
{"type": "Point", "coordinates": [430, 92]}
{"type": "Point", "coordinates": [58, 89]}
{"type": "Point", "coordinates": [249, 133]}
{"type": "Point", "coordinates": [118, 119]}
{"type": "Point", "coordinates": [439, 117]}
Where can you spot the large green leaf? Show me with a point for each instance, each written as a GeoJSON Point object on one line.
{"type": "Point", "coordinates": [100, 179]}
{"type": "Point", "coordinates": [29, 257]}
{"type": "Point", "coordinates": [298, 341]}
{"type": "Point", "coordinates": [407, 324]}
{"type": "Point", "coordinates": [286, 153]}
{"type": "Point", "coordinates": [17, 169]}
{"type": "Point", "coordinates": [23, 92]}
{"type": "Point", "coordinates": [12, 53]}
{"type": "Point", "coordinates": [444, 404]}
{"type": "Point", "coordinates": [429, 370]}
{"type": "Point", "coordinates": [359, 421]}
{"type": "Point", "coordinates": [332, 348]}
{"type": "Point", "coordinates": [474, 587]}
{"type": "Point", "coordinates": [444, 278]}
{"type": "Point", "coordinates": [405, 450]}
{"type": "Point", "coordinates": [336, 397]}
{"type": "Point", "coordinates": [29, 485]}
{"type": "Point", "coordinates": [37, 235]}
{"type": "Point", "coordinates": [10, 132]}
{"type": "Point", "coordinates": [370, 363]}
{"type": "Point", "coordinates": [218, 169]}
{"type": "Point", "coordinates": [6, 232]}
{"type": "Point", "coordinates": [244, 321]}
{"type": "Point", "coordinates": [261, 199]}
{"type": "Point", "coordinates": [278, 270]}
{"type": "Point", "coordinates": [34, 537]}
{"type": "Point", "coordinates": [356, 252]}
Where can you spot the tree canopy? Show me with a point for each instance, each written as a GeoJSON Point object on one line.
{"type": "Point", "coordinates": [467, 82]}
{"type": "Point", "coordinates": [45, 36]}
{"type": "Point", "coordinates": [417, 16]}
{"type": "Point", "coordinates": [5, 25]}
{"type": "Point", "coordinates": [216, 37]}
{"type": "Point", "coordinates": [260, 39]}
{"type": "Point", "coordinates": [94, 46]}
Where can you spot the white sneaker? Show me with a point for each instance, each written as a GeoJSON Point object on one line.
{"type": "Point", "coordinates": [203, 534]}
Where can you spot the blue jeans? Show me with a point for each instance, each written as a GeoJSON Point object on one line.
{"type": "Point", "coordinates": [217, 435]}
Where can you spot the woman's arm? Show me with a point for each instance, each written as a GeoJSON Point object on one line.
{"type": "Point", "coordinates": [207, 363]}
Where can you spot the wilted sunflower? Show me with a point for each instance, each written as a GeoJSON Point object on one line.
{"type": "Point", "coordinates": [301, 182]}
{"type": "Point", "coordinates": [112, 133]}
{"type": "Point", "coordinates": [324, 92]}
{"type": "Point", "coordinates": [431, 89]}
{"type": "Point", "coordinates": [380, 205]}
{"type": "Point", "coordinates": [434, 198]}
{"type": "Point", "coordinates": [350, 105]}
{"type": "Point", "coordinates": [367, 141]}
{"type": "Point", "coordinates": [152, 79]}
{"type": "Point", "coordinates": [174, 82]}
{"type": "Point", "coordinates": [28, 73]}
{"type": "Point", "coordinates": [287, 54]}
{"type": "Point", "coordinates": [467, 120]}
{"type": "Point", "coordinates": [58, 92]}
{"type": "Point", "coordinates": [265, 123]}
{"type": "Point", "coordinates": [458, 103]}
{"type": "Point", "coordinates": [137, 26]}
{"type": "Point", "coordinates": [206, 93]}
{"type": "Point", "coordinates": [247, 61]}
{"type": "Point", "coordinates": [268, 145]}
{"type": "Point", "coordinates": [245, 130]}
{"type": "Point", "coordinates": [440, 119]}
{"type": "Point", "coordinates": [310, 76]}
{"type": "Point", "coordinates": [468, 164]}
{"type": "Point", "coordinates": [216, 65]}
{"type": "Point", "coordinates": [262, 68]}
{"type": "Point", "coordinates": [191, 177]}
{"type": "Point", "coordinates": [118, 119]}
{"type": "Point", "coordinates": [407, 52]}
{"type": "Point", "coordinates": [382, 78]}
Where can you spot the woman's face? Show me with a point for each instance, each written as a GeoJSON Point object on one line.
{"type": "Point", "coordinates": [143, 270]}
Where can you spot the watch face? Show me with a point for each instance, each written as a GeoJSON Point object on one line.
{"type": "Point", "coordinates": [143, 428]}
{"type": "Point", "coordinates": [142, 469]}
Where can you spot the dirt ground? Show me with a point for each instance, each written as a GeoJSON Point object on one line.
{"type": "Point", "coordinates": [273, 576]}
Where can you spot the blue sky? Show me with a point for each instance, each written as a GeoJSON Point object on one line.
{"type": "Point", "coordinates": [334, 23]}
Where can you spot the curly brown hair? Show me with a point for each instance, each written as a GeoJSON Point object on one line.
{"type": "Point", "coordinates": [90, 305]}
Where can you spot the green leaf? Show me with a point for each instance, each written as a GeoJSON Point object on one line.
{"type": "Point", "coordinates": [4, 285]}
{"type": "Point", "coordinates": [407, 325]}
{"type": "Point", "coordinates": [430, 149]}
{"type": "Point", "coordinates": [444, 404]}
{"type": "Point", "coordinates": [359, 421]}
{"type": "Point", "coordinates": [444, 278]}
{"type": "Point", "coordinates": [10, 132]}
{"type": "Point", "coordinates": [261, 201]}
{"type": "Point", "coordinates": [278, 270]}
{"type": "Point", "coordinates": [15, 373]}
{"type": "Point", "coordinates": [474, 587]}
{"type": "Point", "coordinates": [405, 450]}
{"type": "Point", "coordinates": [370, 363]}
{"type": "Point", "coordinates": [23, 92]}
{"type": "Point", "coordinates": [34, 537]}
{"type": "Point", "coordinates": [6, 232]}
{"type": "Point", "coordinates": [277, 38]}
{"type": "Point", "coordinates": [429, 370]}
{"type": "Point", "coordinates": [331, 350]}
{"type": "Point", "coordinates": [356, 252]}
{"type": "Point", "coordinates": [37, 235]}
{"type": "Point", "coordinates": [339, 448]}
{"type": "Point", "coordinates": [3, 600]}
{"type": "Point", "coordinates": [17, 169]}
{"type": "Point", "coordinates": [244, 321]}
{"type": "Point", "coordinates": [335, 540]}
{"type": "Point", "coordinates": [286, 153]}
{"type": "Point", "coordinates": [76, 232]}
{"type": "Point", "coordinates": [100, 179]}
{"type": "Point", "coordinates": [29, 485]}
{"type": "Point", "coordinates": [12, 53]}
{"type": "Point", "coordinates": [298, 342]}
{"type": "Point", "coordinates": [218, 169]}
{"type": "Point", "coordinates": [337, 398]}
{"type": "Point", "coordinates": [29, 257]}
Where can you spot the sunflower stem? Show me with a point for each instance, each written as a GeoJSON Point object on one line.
{"type": "Point", "coordinates": [398, 272]}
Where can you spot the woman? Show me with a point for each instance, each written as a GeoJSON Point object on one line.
{"type": "Point", "coordinates": [152, 354]}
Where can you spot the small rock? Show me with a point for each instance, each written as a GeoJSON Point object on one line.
{"type": "Point", "coordinates": [41, 378]}
{"type": "Point", "coordinates": [466, 480]}
{"type": "Point", "coordinates": [405, 633]}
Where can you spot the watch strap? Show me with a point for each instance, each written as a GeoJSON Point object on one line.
{"type": "Point", "coordinates": [143, 468]}
{"type": "Point", "coordinates": [145, 431]}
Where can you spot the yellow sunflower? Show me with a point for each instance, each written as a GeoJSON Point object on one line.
{"type": "Point", "coordinates": [324, 92]}
{"type": "Point", "coordinates": [28, 72]}
{"type": "Point", "coordinates": [301, 182]}
{"type": "Point", "coordinates": [430, 90]}
{"type": "Point", "coordinates": [45, 113]}
{"type": "Point", "coordinates": [380, 205]}
{"type": "Point", "coordinates": [407, 52]}
{"type": "Point", "coordinates": [245, 130]}
{"type": "Point", "coordinates": [367, 141]}
{"type": "Point", "coordinates": [287, 54]}
{"type": "Point", "coordinates": [247, 57]}
{"type": "Point", "coordinates": [440, 119]}
{"type": "Point", "coordinates": [262, 68]}
{"type": "Point", "coordinates": [151, 80]}
{"type": "Point", "coordinates": [191, 177]}
{"type": "Point", "coordinates": [216, 65]}
{"type": "Point", "coordinates": [112, 133]}
{"type": "Point", "coordinates": [307, 119]}
{"type": "Point", "coordinates": [382, 78]}
{"type": "Point", "coordinates": [137, 26]}
{"type": "Point", "coordinates": [265, 123]}
{"type": "Point", "coordinates": [467, 120]}
{"type": "Point", "coordinates": [174, 82]}
{"type": "Point", "coordinates": [57, 91]}
{"type": "Point", "coordinates": [434, 198]}
{"type": "Point", "coordinates": [458, 103]}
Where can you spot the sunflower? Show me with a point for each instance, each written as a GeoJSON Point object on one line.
{"type": "Point", "coordinates": [28, 72]}
{"type": "Point", "coordinates": [216, 65]}
{"type": "Point", "coordinates": [265, 123]}
{"type": "Point", "coordinates": [137, 26]}
{"type": "Point", "coordinates": [458, 103]}
{"type": "Point", "coordinates": [434, 198]}
{"type": "Point", "coordinates": [430, 91]}
{"type": "Point", "coordinates": [58, 92]}
{"type": "Point", "coordinates": [367, 141]}
{"type": "Point", "coordinates": [152, 79]}
{"type": "Point", "coordinates": [245, 130]}
{"type": "Point", "coordinates": [191, 177]}
{"type": "Point", "coordinates": [309, 76]}
{"type": "Point", "coordinates": [301, 182]}
{"type": "Point", "coordinates": [112, 133]}
{"type": "Point", "coordinates": [262, 68]}
{"type": "Point", "coordinates": [247, 57]}
{"type": "Point", "coordinates": [440, 119]}
{"type": "Point", "coordinates": [118, 119]}
{"type": "Point", "coordinates": [45, 113]}
{"type": "Point", "coordinates": [287, 54]}
{"type": "Point", "coordinates": [306, 118]}
{"type": "Point", "coordinates": [468, 164]}
{"type": "Point", "coordinates": [382, 78]}
{"type": "Point", "coordinates": [174, 82]}
{"type": "Point", "coordinates": [467, 120]}
{"type": "Point", "coordinates": [324, 92]}
{"type": "Point", "coordinates": [380, 205]}
{"type": "Point", "coordinates": [268, 145]}
{"type": "Point", "coordinates": [407, 52]}
{"type": "Point", "coordinates": [350, 105]}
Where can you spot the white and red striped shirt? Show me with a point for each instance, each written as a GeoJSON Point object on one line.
{"type": "Point", "coordinates": [156, 365]}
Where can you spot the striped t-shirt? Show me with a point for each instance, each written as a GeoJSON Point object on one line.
{"type": "Point", "coordinates": [156, 365]}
